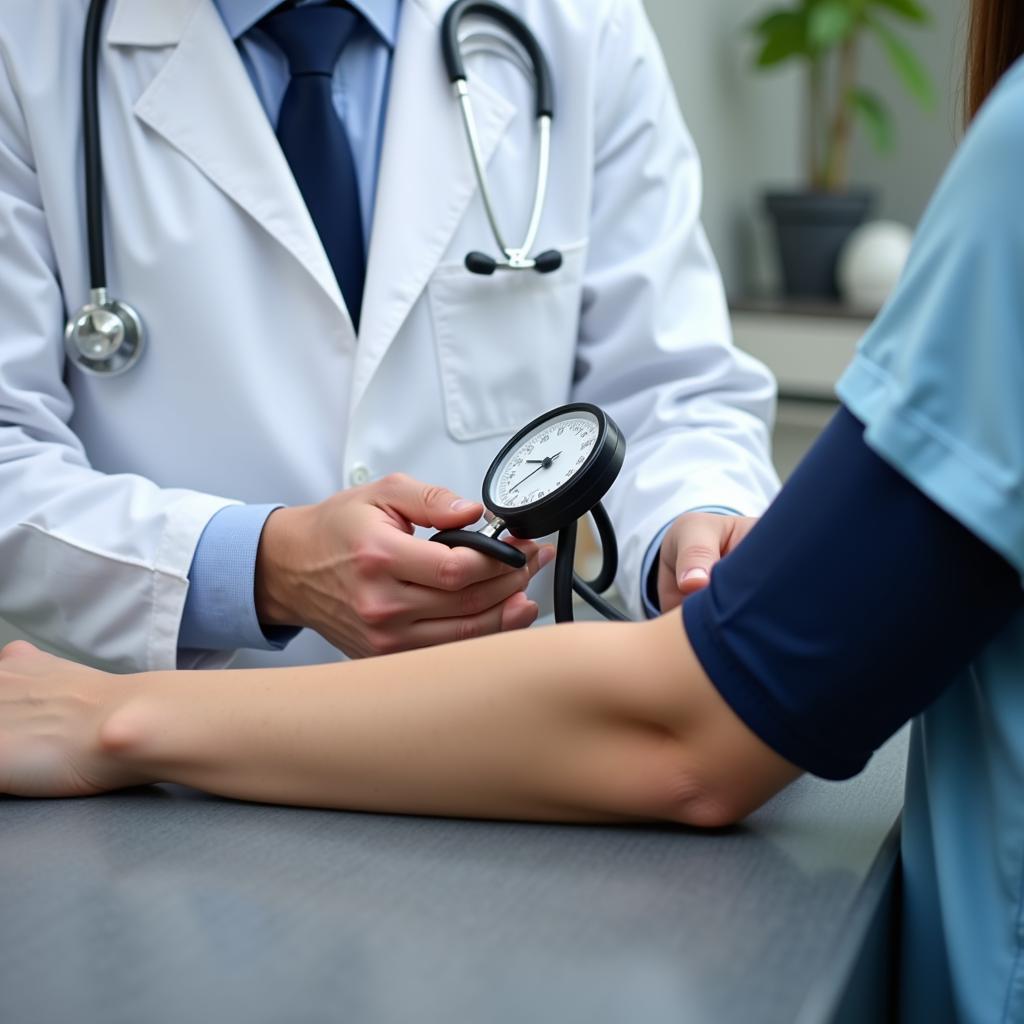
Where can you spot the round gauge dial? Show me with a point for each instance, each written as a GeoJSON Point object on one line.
{"type": "Point", "coordinates": [545, 460]}
{"type": "Point", "coordinates": [554, 470]}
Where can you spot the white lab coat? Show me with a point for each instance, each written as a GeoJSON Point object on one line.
{"type": "Point", "coordinates": [255, 388]}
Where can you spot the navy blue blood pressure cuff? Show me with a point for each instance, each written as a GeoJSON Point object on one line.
{"type": "Point", "coordinates": [848, 609]}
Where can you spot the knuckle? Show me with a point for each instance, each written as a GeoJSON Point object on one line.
{"type": "Point", "coordinates": [393, 482]}
{"type": "Point", "coordinates": [15, 648]}
{"type": "Point", "coordinates": [371, 559]}
{"type": "Point", "coordinates": [472, 601]}
{"type": "Point", "coordinates": [373, 611]}
{"type": "Point", "coordinates": [703, 552]}
{"type": "Point", "coordinates": [433, 495]}
{"type": "Point", "coordinates": [450, 573]}
{"type": "Point", "coordinates": [470, 629]}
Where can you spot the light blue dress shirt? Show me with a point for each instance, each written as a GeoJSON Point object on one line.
{"type": "Point", "coordinates": [939, 383]}
{"type": "Point", "coordinates": [361, 80]}
{"type": "Point", "coordinates": [220, 610]}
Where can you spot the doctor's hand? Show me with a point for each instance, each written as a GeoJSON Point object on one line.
{"type": "Point", "coordinates": [692, 546]}
{"type": "Point", "coordinates": [350, 568]}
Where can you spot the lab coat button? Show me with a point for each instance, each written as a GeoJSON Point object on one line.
{"type": "Point", "coordinates": [360, 475]}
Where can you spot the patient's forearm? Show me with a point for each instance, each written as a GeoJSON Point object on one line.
{"type": "Point", "coordinates": [552, 725]}
{"type": "Point", "coordinates": [581, 723]}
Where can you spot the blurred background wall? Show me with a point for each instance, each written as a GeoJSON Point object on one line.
{"type": "Point", "coordinates": [748, 125]}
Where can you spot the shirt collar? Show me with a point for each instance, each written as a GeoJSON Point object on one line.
{"type": "Point", "coordinates": [240, 15]}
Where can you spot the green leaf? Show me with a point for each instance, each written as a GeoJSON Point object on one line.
{"type": "Point", "coordinates": [769, 22]}
{"type": "Point", "coordinates": [906, 64]}
{"type": "Point", "coordinates": [909, 9]}
{"type": "Point", "coordinates": [875, 116]}
{"type": "Point", "coordinates": [829, 23]}
{"type": "Point", "coordinates": [783, 36]}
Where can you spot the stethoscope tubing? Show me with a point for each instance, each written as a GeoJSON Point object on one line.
{"type": "Point", "coordinates": [452, 51]}
{"type": "Point", "coordinates": [93, 147]}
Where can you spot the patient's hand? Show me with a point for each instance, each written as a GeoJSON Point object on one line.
{"type": "Point", "coordinates": [690, 550]}
{"type": "Point", "coordinates": [52, 714]}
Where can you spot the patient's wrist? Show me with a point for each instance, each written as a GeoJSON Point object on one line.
{"type": "Point", "coordinates": [130, 729]}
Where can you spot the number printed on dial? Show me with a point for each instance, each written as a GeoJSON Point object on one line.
{"type": "Point", "coordinates": [546, 460]}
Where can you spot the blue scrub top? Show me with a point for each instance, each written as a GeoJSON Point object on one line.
{"type": "Point", "coordinates": [939, 383]}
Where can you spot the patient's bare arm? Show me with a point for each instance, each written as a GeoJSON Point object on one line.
{"type": "Point", "coordinates": [580, 723]}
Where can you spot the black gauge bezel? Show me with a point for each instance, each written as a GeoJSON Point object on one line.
{"type": "Point", "coordinates": [576, 497]}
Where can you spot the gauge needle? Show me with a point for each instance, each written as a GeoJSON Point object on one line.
{"type": "Point", "coordinates": [542, 464]}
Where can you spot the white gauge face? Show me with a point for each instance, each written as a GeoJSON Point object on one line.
{"type": "Point", "coordinates": [545, 461]}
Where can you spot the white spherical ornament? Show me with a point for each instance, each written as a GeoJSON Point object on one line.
{"type": "Point", "coordinates": [871, 263]}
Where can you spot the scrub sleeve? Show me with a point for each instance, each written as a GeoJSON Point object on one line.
{"type": "Point", "coordinates": [939, 382]}
{"type": "Point", "coordinates": [937, 394]}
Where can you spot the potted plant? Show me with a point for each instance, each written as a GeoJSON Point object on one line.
{"type": "Point", "coordinates": [827, 36]}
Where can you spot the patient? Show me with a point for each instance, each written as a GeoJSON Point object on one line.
{"type": "Point", "coordinates": [883, 585]}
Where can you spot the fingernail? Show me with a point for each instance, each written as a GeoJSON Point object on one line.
{"type": "Point", "coordinates": [546, 556]}
{"type": "Point", "coordinates": [460, 505]}
{"type": "Point", "coordinates": [694, 574]}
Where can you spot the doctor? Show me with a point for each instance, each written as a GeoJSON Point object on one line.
{"type": "Point", "coordinates": [308, 341]}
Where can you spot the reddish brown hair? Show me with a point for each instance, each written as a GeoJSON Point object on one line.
{"type": "Point", "coordinates": [996, 40]}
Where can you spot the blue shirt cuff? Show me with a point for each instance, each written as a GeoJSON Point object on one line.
{"type": "Point", "coordinates": [648, 576]}
{"type": "Point", "coordinates": [220, 608]}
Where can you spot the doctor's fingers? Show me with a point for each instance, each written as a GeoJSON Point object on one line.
{"type": "Point", "coordinates": [426, 603]}
{"type": "Point", "coordinates": [428, 564]}
{"type": "Point", "coordinates": [518, 612]}
{"type": "Point", "coordinates": [424, 504]}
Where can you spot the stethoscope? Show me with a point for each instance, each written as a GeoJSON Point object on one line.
{"type": "Point", "coordinates": [106, 336]}
{"type": "Point", "coordinates": [513, 257]}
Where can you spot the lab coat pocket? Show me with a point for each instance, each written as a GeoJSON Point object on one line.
{"type": "Point", "coordinates": [506, 344]}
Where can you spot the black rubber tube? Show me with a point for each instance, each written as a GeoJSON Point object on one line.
{"type": "Point", "coordinates": [597, 602]}
{"type": "Point", "coordinates": [92, 144]}
{"type": "Point", "coordinates": [564, 575]}
{"type": "Point", "coordinates": [489, 546]}
{"type": "Point", "coordinates": [453, 54]}
{"type": "Point", "coordinates": [609, 551]}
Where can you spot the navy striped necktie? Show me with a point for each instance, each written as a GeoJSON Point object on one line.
{"type": "Point", "coordinates": [314, 139]}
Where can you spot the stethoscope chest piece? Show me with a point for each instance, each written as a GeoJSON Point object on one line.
{"type": "Point", "coordinates": [104, 337]}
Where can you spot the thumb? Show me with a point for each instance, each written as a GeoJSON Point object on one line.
{"type": "Point", "coordinates": [697, 554]}
{"type": "Point", "coordinates": [428, 505]}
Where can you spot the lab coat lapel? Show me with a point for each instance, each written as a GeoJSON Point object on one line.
{"type": "Point", "coordinates": [426, 180]}
{"type": "Point", "coordinates": [203, 103]}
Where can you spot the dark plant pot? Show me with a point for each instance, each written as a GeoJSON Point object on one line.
{"type": "Point", "coordinates": [811, 229]}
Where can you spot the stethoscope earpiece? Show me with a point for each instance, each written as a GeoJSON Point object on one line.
{"type": "Point", "coordinates": [484, 265]}
{"type": "Point", "coordinates": [548, 262]}
{"type": "Point", "coordinates": [480, 263]}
